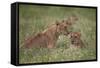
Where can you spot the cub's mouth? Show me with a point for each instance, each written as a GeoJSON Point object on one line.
{"type": "Point", "coordinates": [75, 42]}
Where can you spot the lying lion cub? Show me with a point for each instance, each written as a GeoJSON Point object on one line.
{"type": "Point", "coordinates": [49, 36]}
{"type": "Point", "coordinates": [76, 40]}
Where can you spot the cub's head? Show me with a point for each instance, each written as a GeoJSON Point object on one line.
{"type": "Point", "coordinates": [62, 27]}
{"type": "Point", "coordinates": [75, 37]}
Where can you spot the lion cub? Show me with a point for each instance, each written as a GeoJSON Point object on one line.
{"type": "Point", "coordinates": [49, 36]}
{"type": "Point", "coordinates": [76, 40]}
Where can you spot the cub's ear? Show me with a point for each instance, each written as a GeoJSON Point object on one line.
{"type": "Point", "coordinates": [79, 34]}
{"type": "Point", "coordinates": [57, 23]}
{"type": "Point", "coordinates": [68, 22]}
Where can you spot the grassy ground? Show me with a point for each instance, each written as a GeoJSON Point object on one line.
{"type": "Point", "coordinates": [34, 19]}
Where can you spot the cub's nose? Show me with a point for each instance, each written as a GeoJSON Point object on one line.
{"type": "Point", "coordinates": [72, 41]}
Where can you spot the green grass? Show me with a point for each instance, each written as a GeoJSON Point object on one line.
{"type": "Point", "coordinates": [34, 19]}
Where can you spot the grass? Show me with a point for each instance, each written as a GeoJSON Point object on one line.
{"type": "Point", "coordinates": [34, 19]}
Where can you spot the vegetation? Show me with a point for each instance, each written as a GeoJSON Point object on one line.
{"type": "Point", "coordinates": [34, 19]}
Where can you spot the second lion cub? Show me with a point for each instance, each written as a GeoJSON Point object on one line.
{"type": "Point", "coordinates": [76, 40]}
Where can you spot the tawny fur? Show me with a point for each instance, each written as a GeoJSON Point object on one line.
{"type": "Point", "coordinates": [76, 40]}
{"type": "Point", "coordinates": [49, 36]}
